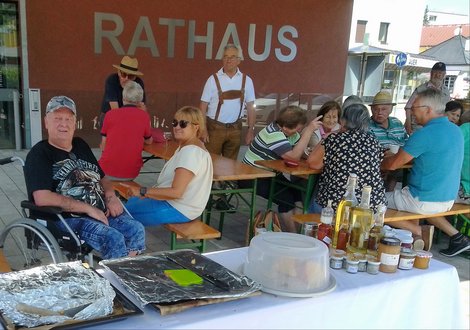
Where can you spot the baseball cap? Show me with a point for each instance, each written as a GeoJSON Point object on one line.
{"type": "Point", "coordinates": [58, 102]}
{"type": "Point", "coordinates": [439, 66]}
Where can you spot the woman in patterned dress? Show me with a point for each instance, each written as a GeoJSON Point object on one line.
{"type": "Point", "coordinates": [352, 150]}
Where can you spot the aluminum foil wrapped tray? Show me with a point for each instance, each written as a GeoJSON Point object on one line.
{"type": "Point", "coordinates": [144, 277]}
{"type": "Point", "coordinates": [26, 297]}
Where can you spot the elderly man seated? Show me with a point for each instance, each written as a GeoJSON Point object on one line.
{"type": "Point", "coordinates": [437, 152]}
{"type": "Point", "coordinates": [388, 130]}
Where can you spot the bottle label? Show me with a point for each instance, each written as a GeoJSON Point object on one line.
{"type": "Point", "coordinates": [327, 240]}
{"type": "Point", "coordinates": [406, 263]}
{"type": "Point", "coordinates": [389, 259]}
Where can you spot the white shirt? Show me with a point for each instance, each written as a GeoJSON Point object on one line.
{"type": "Point", "coordinates": [199, 162]}
{"type": "Point", "coordinates": [230, 110]}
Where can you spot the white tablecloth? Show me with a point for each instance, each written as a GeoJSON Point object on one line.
{"type": "Point", "coordinates": [413, 299]}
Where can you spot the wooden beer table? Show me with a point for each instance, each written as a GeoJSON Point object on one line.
{"type": "Point", "coordinates": [302, 171]}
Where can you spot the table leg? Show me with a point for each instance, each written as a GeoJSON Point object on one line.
{"type": "Point", "coordinates": [253, 208]}
{"type": "Point", "coordinates": [271, 192]}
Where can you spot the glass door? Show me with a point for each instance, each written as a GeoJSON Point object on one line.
{"type": "Point", "coordinates": [9, 75]}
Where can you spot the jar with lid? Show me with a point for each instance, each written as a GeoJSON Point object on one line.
{"type": "Point", "coordinates": [406, 242]}
{"type": "Point", "coordinates": [389, 254]}
{"type": "Point", "coordinates": [422, 259]}
{"type": "Point", "coordinates": [336, 258]}
{"type": "Point", "coordinates": [361, 267]}
{"type": "Point", "coordinates": [310, 229]}
{"type": "Point", "coordinates": [352, 265]}
{"type": "Point", "coordinates": [407, 258]}
{"type": "Point", "coordinates": [372, 264]}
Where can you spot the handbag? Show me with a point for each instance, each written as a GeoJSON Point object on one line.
{"type": "Point", "coordinates": [263, 222]}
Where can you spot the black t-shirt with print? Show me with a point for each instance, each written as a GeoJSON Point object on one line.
{"type": "Point", "coordinates": [74, 174]}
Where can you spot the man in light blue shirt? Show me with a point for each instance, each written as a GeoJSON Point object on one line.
{"type": "Point", "coordinates": [437, 154]}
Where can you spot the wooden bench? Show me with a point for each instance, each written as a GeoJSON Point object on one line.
{"type": "Point", "coordinates": [195, 231]}
{"type": "Point", "coordinates": [391, 215]}
{"type": "Point", "coordinates": [4, 265]}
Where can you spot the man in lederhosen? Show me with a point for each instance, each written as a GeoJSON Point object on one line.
{"type": "Point", "coordinates": [225, 95]}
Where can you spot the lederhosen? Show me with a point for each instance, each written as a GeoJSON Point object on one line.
{"type": "Point", "coordinates": [229, 95]}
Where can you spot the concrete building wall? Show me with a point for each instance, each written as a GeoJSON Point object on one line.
{"type": "Point", "coordinates": [405, 19]}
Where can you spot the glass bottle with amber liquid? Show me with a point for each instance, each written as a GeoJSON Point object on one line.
{"type": "Point", "coordinates": [360, 222]}
{"type": "Point", "coordinates": [325, 230]}
{"type": "Point", "coordinates": [343, 234]}
{"type": "Point", "coordinates": [376, 232]}
{"type": "Point", "coordinates": [349, 199]}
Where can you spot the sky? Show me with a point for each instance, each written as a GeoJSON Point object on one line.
{"type": "Point", "coordinates": [449, 6]}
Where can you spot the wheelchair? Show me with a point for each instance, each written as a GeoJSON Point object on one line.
{"type": "Point", "coordinates": [27, 242]}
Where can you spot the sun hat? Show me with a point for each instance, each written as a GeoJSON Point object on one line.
{"type": "Point", "coordinates": [439, 66]}
{"type": "Point", "coordinates": [58, 102]}
{"type": "Point", "coordinates": [382, 97]}
{"type": "Point", "coordinates": [129, 65]}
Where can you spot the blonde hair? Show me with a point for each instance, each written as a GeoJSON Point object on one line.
{"type": "Point", "coordinates": [193, 115]}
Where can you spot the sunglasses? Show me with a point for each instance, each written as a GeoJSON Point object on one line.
{"type": "Point", "coordinates": [182, 123]}
{"type": "Point", "coordinates": [127, 76]}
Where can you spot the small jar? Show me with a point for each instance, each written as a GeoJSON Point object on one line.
{"type": "Point", "coordinates": [389, 254]}
{"type": "Point", "coordinates": [336, 262]}
{"type": "Point", "coordinates": [362, 266]}
{"type": "Point", "coordinates": [308, 229]}
{"type": "Point", "coordinates": [406, 242]}
{"type": "Point", "coordinates": [407, 258]}
{"type": "Point", "coordinates": [422, 259]}
{"type": "Point", "coordinates": [373, 266]}
{"type": "Point", "coordinates": [352, 266]}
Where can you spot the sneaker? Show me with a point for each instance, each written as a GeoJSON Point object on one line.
{"type": "Point", "coordinates": [222, 205]}
{"type": "Point", "coordinates": [418, 243]}
{"type": "Point", "coordinates": [427, 233]}
{"type": "Point", "coordinates": [456, 245]}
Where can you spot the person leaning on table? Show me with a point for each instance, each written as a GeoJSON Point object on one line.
{"type": "Point", "coordinates": [124, 132]}
{"type": "Point", "coordinates": [281, 140]}
{"type": "Point", "coordinates": [437, 154]}
{"type": "Point", "coordinates": [352, 150]}
{"type": "Point", "coordinates": [62, 171]}
{"type": "Point", "coordinates": [184, 184]}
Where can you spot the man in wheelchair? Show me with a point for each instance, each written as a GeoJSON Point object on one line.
{"type": "Point", "coordinates": [63, 172]}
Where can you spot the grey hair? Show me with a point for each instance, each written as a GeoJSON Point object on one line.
{"type": "Point", "coordinates": [352, 99]}
{"type": "Point", "coordinates": [433, 99]}
{"type": "Point", "coordinates": [132, 92]}
{"type": "Point", "coordinates": [237, 47]}
{"type": "Point", "coordinates": [355, 117]}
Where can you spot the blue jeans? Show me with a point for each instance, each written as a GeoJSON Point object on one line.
{"type": "Point", "coordinates": [314, 207]}
{"type": "Point", "coordinates": [152, 212]}
{"type": "Point", "coordinates": [123, 234]}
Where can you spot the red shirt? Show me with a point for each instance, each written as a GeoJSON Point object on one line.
{"type": "Point", "coordinates": [125, 130]}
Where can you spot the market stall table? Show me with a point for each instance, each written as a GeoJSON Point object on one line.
{"type": "Point", "coordinates": [425, 299]}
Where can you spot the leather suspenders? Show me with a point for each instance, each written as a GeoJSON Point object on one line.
{"type": "Point", "coordinates": [229, 95]}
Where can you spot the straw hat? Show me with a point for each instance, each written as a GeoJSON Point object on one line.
{"type": "Point", "coordinates": [382, 97]}
{"type": "Point", "coordinates": [129, 65]}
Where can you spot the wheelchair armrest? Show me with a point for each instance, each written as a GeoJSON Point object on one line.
{"type": "Point", "coordinates": [47, 209]}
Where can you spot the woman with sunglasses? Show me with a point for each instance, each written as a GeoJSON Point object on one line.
{"type": "Point", "coordinates": [184, 184]}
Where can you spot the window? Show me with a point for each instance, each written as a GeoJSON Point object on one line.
{"type": "Point", "coordinates": [449, 82]}
{"type": "Point", "coordinates": [360, 31]}
{"type": "Point", "coordinates": [383, 32]}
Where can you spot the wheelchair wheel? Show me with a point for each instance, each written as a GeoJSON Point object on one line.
{"type": "Point", "coordinates": [26, 243]}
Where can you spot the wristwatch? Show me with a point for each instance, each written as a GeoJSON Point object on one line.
{"type": "Point", "coordinates": [143, 191]}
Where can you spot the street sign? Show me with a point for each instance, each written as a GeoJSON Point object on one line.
{"type": "Point", "coordinates": [400, 60]}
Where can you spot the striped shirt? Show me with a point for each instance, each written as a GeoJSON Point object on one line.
{"type": "Point", "coordinates": [269, 143]}
{"type": "Point", "coordinates": [394, 134]}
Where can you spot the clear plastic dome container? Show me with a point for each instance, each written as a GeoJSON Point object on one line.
{"type": "Point", "coordinates": [289, 264]}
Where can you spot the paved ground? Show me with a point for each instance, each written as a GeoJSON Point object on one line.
{"type": "Point", "coordinates": [12, 191]}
